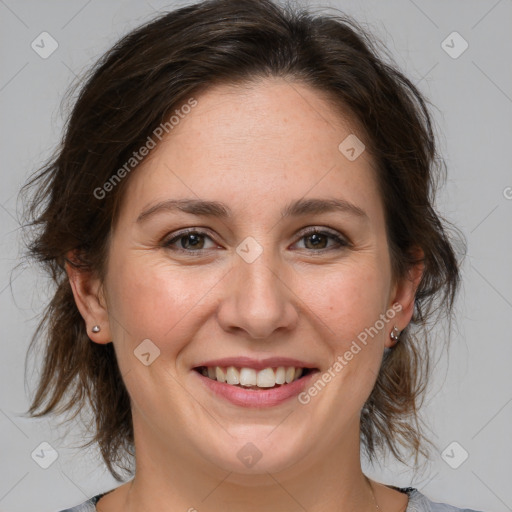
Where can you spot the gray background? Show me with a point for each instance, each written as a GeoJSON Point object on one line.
{"type": "Point", "coordinates": [470, 397]}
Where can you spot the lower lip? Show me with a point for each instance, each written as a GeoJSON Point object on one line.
{"type": "Point", "coordinates": [254, 397]}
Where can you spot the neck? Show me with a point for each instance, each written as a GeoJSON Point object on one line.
{"type": "Point", "coordinates": [177, 479]}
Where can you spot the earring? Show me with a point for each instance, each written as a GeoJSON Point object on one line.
{"type": "Point", "coordinates": [96, 328]}
{"type": "Point", "coordinates": [395, 334]}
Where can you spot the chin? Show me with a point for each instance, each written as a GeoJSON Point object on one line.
{"type": "Point", "coordinates": [258, 452]}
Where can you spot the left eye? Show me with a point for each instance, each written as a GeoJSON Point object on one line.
{"type": "Point", "coordinates": [194, 241]}
{"type": "Point", "coordinates": [316, 237]}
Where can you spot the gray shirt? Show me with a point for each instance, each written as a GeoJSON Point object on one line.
{"type": "Point", "coordinates": [418, 502]}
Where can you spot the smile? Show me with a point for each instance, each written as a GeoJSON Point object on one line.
{"type": "Point", "coordinates": [257, 388]}
{"type": "Point", "coordinates": [253, 379]}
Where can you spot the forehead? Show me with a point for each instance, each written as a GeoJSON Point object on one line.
{"type": "Point", "coordinates": [271, 114]}
{"type": "Point", "coordinates": [244, 141]}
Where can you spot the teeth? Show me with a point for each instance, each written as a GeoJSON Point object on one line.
{"type": "Point", "coordinates": [249, 377]}
{"type": "Point", "coordinates": [232, 375]}
{"type": "Point", "coordinates": [266, 378]}
{"type": "Point", "coordinates": [219, 374]}
{"type": "Point", "coordinates": [281, 375]}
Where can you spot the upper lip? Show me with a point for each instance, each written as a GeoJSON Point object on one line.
{"type": "Point", "coordinates": [256, 364]}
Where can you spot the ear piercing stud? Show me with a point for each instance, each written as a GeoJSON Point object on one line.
{"type": "Point", "coordinates": [96, 328]}
{"type": "Point", "coordinates": [395, 334]}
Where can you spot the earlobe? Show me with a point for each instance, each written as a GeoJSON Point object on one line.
{"type": "Point", "coordinates": [90, 301]}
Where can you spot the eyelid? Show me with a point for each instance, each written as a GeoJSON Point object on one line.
{"type": "Point", "coordinates": [339, 238]}
{"type": "Point", "coordinates": [323, 230]}
{"type": "Point", "coordinates": [175, 236]}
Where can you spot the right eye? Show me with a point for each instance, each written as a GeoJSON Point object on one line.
{"type": "Point", "coordinates": [189, 241]}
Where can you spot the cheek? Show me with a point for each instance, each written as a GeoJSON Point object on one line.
{"type": "Point", "coordinates": [154, 300]}
{"type": "Point", "coordinates": [349, 299]}
{"type": "Point", "coordinates": [350, 302]}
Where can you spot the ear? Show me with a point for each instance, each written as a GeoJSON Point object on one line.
{"type": "Point", "coordinates": [404, 294]}
{"type": "Point", "coordinates": [90, 300]}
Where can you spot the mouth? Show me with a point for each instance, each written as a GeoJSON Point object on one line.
{"type": "Point", "coordinates": [254, 382]}
{"type": "Point", "coordinates": [252, 379]}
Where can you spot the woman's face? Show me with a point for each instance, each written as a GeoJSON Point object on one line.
{"type": "Point", "coordinates": [254, 287]}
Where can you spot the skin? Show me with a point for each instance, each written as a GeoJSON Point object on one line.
{"type": "Point", "coordinates": [254, 148]}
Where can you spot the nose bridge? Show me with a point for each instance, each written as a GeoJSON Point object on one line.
{"type": "Point", "coordinates": [259, 281]}
{"type": "Point", "coordinates": [257, 299]}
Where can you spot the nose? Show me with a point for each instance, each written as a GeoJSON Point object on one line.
{"type": "Point", "coordinates": [258, 299]}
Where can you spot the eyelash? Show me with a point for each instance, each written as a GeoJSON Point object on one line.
{"type": "Point", "coordinates": [342, 243]}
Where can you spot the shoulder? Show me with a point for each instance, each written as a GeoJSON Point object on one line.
{"type": "Point", "coordinates": [418, 502]}
{"type": "Point", "coordinates": [86, 506]}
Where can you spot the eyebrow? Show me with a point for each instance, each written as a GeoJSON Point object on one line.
{"type": "Point", "coordinates": [297, 208]}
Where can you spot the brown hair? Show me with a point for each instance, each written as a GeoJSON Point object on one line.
{"type": "Point", "coordinates": [135, 87]}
